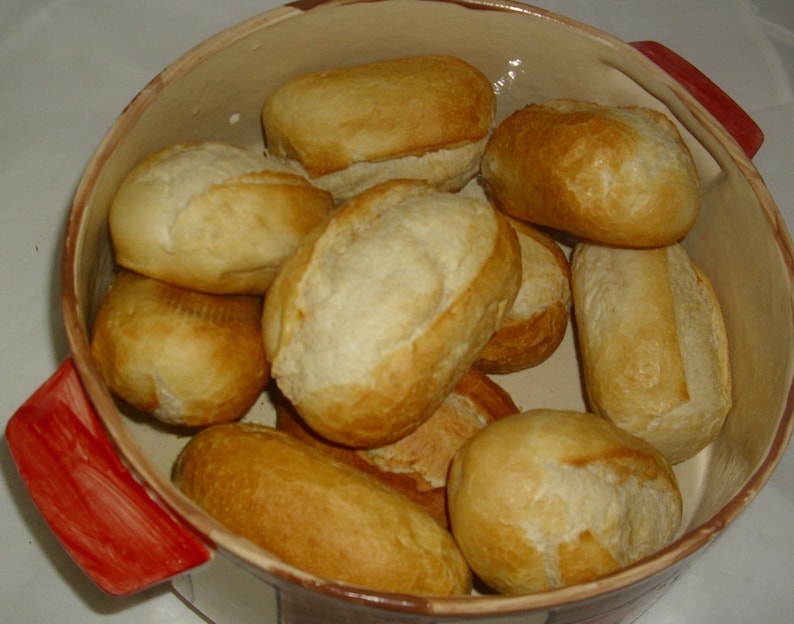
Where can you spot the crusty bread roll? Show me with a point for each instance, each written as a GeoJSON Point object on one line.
{"type": "Point", "coordinates": [420, 117]}
{"type": "Point", "coordinates": [383, 308]}
{"type": "Point", "coordinates": [536, 323]}
{"type": "Point", "coordinates": [417, 465]}
{"type": "Point", "coordinates": [213, 217]}
{"type": "Point", "coordinates": [653, 345]}
{"type": "Point", "coordinates": [617, 175]}
{"type": "Point", "coordinates": [188, 358]}
{"type": "Point", "coordinates": [551, 498]}
{"type": "Point", "coordinates": [317, 513]}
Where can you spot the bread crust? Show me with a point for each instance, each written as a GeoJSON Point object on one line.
{"type": "Point", "coordinates": [187, 358]}
{"type": "Point", "coordinates": [653, 344]}
{"type": "Point", "coordinates": [383, 309]}
{"type": "Point", "coordinates": [378, 111]}
{"type": "Point", "coordinates": [549, 498]}
{"type": "Point", "coordinates": [538, 319]}
{"type": "Point", "coordinates": [317, 513]}
{"type": "Point", "coordinates": [417, 465]}
{"type": "Point", "coordinates": [213, 217]}
{"type": "Point", "coordinates": [616, 175]}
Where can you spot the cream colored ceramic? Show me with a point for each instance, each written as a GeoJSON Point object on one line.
{"type": "Point", "coordinates": [216, 91]}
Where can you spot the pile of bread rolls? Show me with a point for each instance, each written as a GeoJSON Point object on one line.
{"type": "Point", "coordinates": [390, 253]}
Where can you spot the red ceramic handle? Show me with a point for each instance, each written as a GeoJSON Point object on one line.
{"type": "Point", "coordinates": [733, 118]}
{"type": "Point", "coordinates": [104, 518]}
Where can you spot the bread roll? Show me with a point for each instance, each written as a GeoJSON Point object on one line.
{"type": "Point", "coordinates": [317, 513]}
{"type": "Point", "coordinates": [616, 175]}
{"type": "Point", "coordinates": [420, 117]}
{"type": "Point", "coordinates": [536, 323]}
{"type": "Point", "coordinates": [212, 217]}
{"type": "Point", "coordinates": [188, 358]}
{"type": "Point", "coordinates": [653, 345]}
{"type": "Point", "coordinates": [417, 465]}
{"type": "Point", "coordinates": [382, 309]}
{"type": "Point", "coordinates": [550, 498]}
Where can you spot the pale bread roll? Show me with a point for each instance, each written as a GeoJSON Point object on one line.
{"type": "Point", "coordinates": [538, 319]}
{"type": "Point", "coordinates": [213, 217]}
{"type": "Point", "coordinates": [419, 117]}
{"type": "Point", "coordinates": [317, 513]}
{"type": "Point", "coordinates": [417, 465]}
{"type": "Point", "coordinates": [617, 175]}
{"type": "Point", "coordinates": [383, 309]}
{"type": "Point", "coordinates": [551, 498]}
{"type": "Point", "coordinates": [187, 358]}
{"type": "Point", "coordinates": [653, 345]}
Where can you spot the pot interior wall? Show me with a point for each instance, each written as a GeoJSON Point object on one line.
{"type": "Point", "coordinates": [217, 91]}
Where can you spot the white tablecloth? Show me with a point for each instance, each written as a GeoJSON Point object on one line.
{"type": "Point", "coordinates": [68, 67]}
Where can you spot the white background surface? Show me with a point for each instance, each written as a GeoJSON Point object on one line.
{"type": "Point", "coordinates": [68, 67]}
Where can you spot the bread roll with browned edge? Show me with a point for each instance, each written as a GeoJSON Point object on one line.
{"type": "Point", "coordinates": [536, 323]}
{"type": "Point", "coordinates": [616, 175]}
{"type": "Point", "coordinates": [212, 216]}
{"type": "Point", "coordinates": [420, 117]}
{"type": "Point", "coordinates": [187, 358]}
{"type": "Point", "coordinates": [417, 465]}
{"type": "Point", "coordinates": [317, 513]}
{"type": "Point", "coordinates": [551, 498]}
{"type": "Point", "coordinates": [383, 308]}
{"type": "Point", "coordinates": [653, 345]}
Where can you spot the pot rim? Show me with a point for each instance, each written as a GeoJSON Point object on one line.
{"type": "Point", "coordinates": [258, 559]}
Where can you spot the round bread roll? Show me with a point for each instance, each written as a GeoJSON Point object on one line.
{"type": "Point", "coordinates": [417, 465]}
{"type": "Point", "coordinates": [616, 175]}
{"type": "Point", "coordinates": [653, 345]}
{"type": "Point", "coordinates": [420, 117]}
{"type": "Point", "coordinates": [212, 217]}
{"type": "Point", "coordinates": [381, 311]}
{"type": "Point", "coordinates": [187, 358]}
{"type": "Point", "coordinates": [536, 323]}
{"type": "Point", "coordinates": [551, 498]}
{"type": "Point", "coordinates": [317, 513]}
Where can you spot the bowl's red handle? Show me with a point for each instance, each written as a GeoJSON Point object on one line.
{"type": "Point", "coordinates": [734, 119]}
{"type": "Point", "coordinates": [115, 531]}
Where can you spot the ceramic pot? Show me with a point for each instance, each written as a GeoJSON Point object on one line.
{"type": "Point", "coordinates": [129, 528]}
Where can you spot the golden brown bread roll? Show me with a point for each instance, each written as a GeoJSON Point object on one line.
{"type": "Point", "coordinates": [188, 358]}
{"type": "Point", "coordinates": [317, 513]}
{"type": "Point", "coordinates": [212, 216]}
{"type": "Point", "coordinates": [536, 323]}
{"type": "Point", "coordinates": [417, 465]}
{"type": "Point", "coordinates": [382, 309]}
{"type": "Point", "coordinates": [617, 175]}
{"type": "Point", "coordinates": [420, 117]}
{"type": "Point", "coordinates": [550, 498]}
{"type": "Point", "coordinates": [653, 344]}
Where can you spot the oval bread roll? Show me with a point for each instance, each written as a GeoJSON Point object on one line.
{"type": "Point", "coordinates": [536, 323]}
{"type": "Point", "coordinates": [419, 117]}
{"type": "Point", "coordinates": [317, 513]}
{"type": "Point", "coordinates": [616, 175]}
{"type": "Point", "coordinates": [382, 309]}
{"type": "Point", "coordinates": [187, 358]}
{"type": "Point", "coordinates": [550, 498]}
{"type": "Point", "coordinates": [653, 345]}
{"type": "Point", "coordinates": [212, 217]}
{"type": "Point", "coordinates": [417, 465]}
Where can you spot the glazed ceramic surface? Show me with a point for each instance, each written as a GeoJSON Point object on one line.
{"type": "Point", "coordinates": [216, 92]}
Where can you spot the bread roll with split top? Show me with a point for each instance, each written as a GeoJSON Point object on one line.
{"type": "Point", "coordinates": [616, 175]}
{"type": "Point", "coordinates": [385, 306]}
{"type": "Point", "coordinates": [417, 465]}
{"type": "Point", "coordinates": [213, 217]}
{"type": "Point", "coordinates": [317, 513]}
{"type": "Point", "coordinates": [419, 117]}
{"type": "Point", "coordinates": [653, 345]}
{"type": "Point", "coordinates": [550, 498]}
